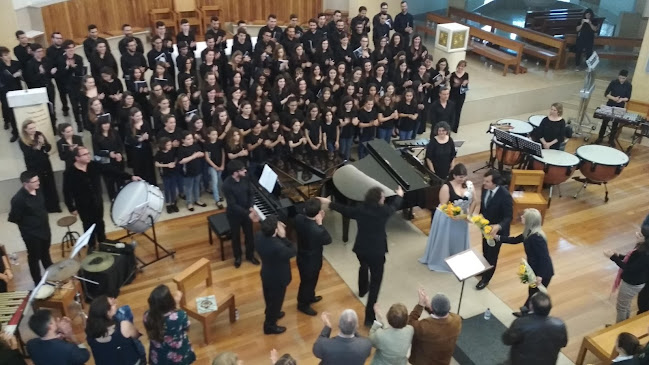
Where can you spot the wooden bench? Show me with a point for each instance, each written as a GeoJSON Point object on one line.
{"type": "Point", "coordinates": [532, 15]}
{"type": "Point", "coordinates": [602, 343]}
{"type": "Point", "coordinates": [563, 26]}
{"type": "Point", "coordinates": [536, 44]}
{"type": "Point", "coordinates": [609, 47]}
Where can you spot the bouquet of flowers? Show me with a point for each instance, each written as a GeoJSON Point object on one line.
{"type": "Point", "coordinates": [527, 276]}
{"type": "Point", "coordinates": [483, 225]}
{"type": "Point", "coordinates": [454, 212]}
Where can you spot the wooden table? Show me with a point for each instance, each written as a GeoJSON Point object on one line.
{"type": "Point", "coordinates": [602, 342]}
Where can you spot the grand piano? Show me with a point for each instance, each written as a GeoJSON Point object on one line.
{"type": "Point", "coordinates": [389, 168]}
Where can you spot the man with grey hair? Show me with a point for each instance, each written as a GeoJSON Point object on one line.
{"type": "Point", "coordinates": [434, 340]}
{"type": "Point", "coordinates": [348, 347]}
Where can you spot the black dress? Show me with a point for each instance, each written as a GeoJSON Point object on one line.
{"type": "Point", "coordinates": [458, 95]}
{"type": "Point", "coordinates": [39, 161]}
{"type": "Point", "coordinates": [441, 156]}
{"type": "Point", "coordinates": [142, 155]}
{"type": "Point", "coordinates": [551, 130]}
{"type": "Point", "coordinates": [64, 149]}
{"type": "Point", "coordinates": [103, 146]}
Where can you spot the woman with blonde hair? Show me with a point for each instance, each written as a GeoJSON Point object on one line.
{"type": "Point", "coordinates": [551, 131]}
{"type": "Point", "coordinates": [36, 150]}
{"type": "Point", "coordinates": [536, 250]}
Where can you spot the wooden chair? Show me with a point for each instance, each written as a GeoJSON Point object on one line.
{"type": "Point", "coordinates": [206, 13]}
{"type": "Point", "coordinates": [188, 280]}
{"type": "Point", "coordinates": [528, 199]}
{"type": "Point", "coordinates": [602, 343]}
{"type": "Point", "coordinates": [186, 9]}
{"type": "Point", "coordinates": [165, 15]}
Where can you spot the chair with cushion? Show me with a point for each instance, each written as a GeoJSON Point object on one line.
{"type": "Point", "coordinates": [532, 198]}
{"type": "Point", "coordinates": [188, 282]}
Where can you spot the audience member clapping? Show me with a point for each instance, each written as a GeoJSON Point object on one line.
{"type": "Point", "coordinates": [348, 347]}
{"type": "Point", "coordinates": [391, 343]}
{"type": "Point", "coordinates": [56, 343]}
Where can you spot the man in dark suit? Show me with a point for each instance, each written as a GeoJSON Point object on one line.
{"type": "Point", "coordinates": [536, 339]}
{"type": "Point", "coordinates": [348, 347]}
{"type": "Point", "coordinates": [275, 252]}
{"type": "Point", "coordinates": [371, 242]}
{"type": "Point", "coordinates": [496, 205]}
{"type": "Point", "coordinates": [311, 236]}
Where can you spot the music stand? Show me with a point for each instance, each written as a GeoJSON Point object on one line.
{"type": "Point", "coordinates": [464, 265]}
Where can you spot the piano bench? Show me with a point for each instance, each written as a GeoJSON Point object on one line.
{"type": "Point", "coordinates": [218, 223]}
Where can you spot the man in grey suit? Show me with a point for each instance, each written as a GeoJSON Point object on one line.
{"type": "Point", "coordinates": [348, 347]}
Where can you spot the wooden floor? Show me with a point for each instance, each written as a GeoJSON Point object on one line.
{"type": "Point", "coordinates": [578, 232]}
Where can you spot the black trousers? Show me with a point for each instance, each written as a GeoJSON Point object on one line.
{"type": "Point", "coordinates": [51, 96]}
{"type": "Point", "coordinates": [48, 187]}
{"type": "Point", "coordinates": [370, 276]}
{"type": "Point", "coordinates": [532, 291]}
{"type": "Point", "coordinates": [309, 273]}
{"type": "Point", "coordinates": [90, 217]}
{"type": "Point", "coordinates": [63, 94]}
{"type": "Point", "coordinates": [8, 114]}
{"type": "Point", "coordinates": [274, 298]}
{"type": "Point", "coordinates": [236, 225]}
{"type": "Point", "coordinates": [38, 251]}
{"type": "Point", "coordinates": [602, 130]}
{"type": "Point", "coordinates": [491, 255]}
{"type": "Point", "coordinates": [583, 48]}
{"type": "Point", "coordinates": [459, 103]}
{"type": "Point", "coordinates": [75, 104]}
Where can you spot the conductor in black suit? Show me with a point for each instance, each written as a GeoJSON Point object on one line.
{"type": "Point", "coordinates": [496, 206]}
{"type": "Point", "coordinates": [275, 252]}
{"type": "Point", "coordinates": [311, 236]}
{"type": "Point", "coordinates": [371, 242]}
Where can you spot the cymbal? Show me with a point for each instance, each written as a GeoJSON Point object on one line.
{"type": "Point", "coordinates": [63, 270]}
{"type": "Point", "coordinates": [97, 262]}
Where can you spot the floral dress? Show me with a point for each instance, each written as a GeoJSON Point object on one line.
{"type": "Point", "coordinates": [175, 347]}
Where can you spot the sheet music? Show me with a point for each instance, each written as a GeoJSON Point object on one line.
{"type": "Point", "coordinates": [268, 179]}
{"type": "Point", "coordinates": [161, 57]}
{"type": "Point", "coordinates": [465, 264]}
{"type": "Point", "coordinates": [82, 241]}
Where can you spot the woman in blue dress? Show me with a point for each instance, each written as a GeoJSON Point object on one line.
{"type": "Point", "coordinates": [449, 236]}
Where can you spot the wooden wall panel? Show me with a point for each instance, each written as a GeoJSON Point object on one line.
{"type": "Point", "coordinates": [72, 17]}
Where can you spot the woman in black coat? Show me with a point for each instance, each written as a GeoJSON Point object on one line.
{"type": "Point", "coordinates": [36, 150]}
{"type": "Point", "coordinates": [536, 250]}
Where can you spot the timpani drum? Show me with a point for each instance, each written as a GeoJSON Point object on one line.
{"type": "Point", "coordinates": [557, 165]}
{"type": "Point", "coordinates": [137, 206]}
{"type": "Point", "coordinates": [507, 155]}
{"type": "Point", "coordinates": [535, 120]}
{"type": "Point", "coordinates": [517, 126]}
{"type": "Point", "coordinates": [601, 164]}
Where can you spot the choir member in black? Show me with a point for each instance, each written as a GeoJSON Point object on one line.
{"type": "Point", "coordinates": [124, 118]}
{"type": "Point", "coordinates": [113, 90]}
{"type": "Point", "coordinates": [440, 152]}
{"type": "Point", "coordinates": [236, 82]}
{"type": "Point", "coordinates": [190, 158]}
{"type": "Point", "coordinates": [185, 62]}
{"type": "Point", "coordinates": [23, 50]}
{"type": "Point", "coordinates": [238, 65]}
{"type": "Point", "coordinates": [304, 96]}
{"type": "Point", "coordinates": [266, 112]}
{"type": "Point", "coordinates": [52, 55]}
{"type": "Point", "coordinates": [271, 26]}
{"type": "Point", "coordinates": [222, 122]}
{"type": "Point", "coordinates": [257, 153]}
{"type": "Point", "coordinates": [313, 134]}
{"type": "Point", "coordinates": [292, 112]}
{"type": "Point", "coordinates": [187, 85]}
{"type": "Point", "coordinates": [327, 101]}
{"type": "Point", "coordinates": [10, 74]}
{"type": "Point", "coordinates": [551, 131]}
{"type": "Point", "coordinates": [311, 237]}
{"type": "Point", "coordinates": [367, 70]}
{"type": "Point", "coordinates": [408, 115]}
{"type": "Point", "coordinates": [139, 88]}
{"type": "Point", "coordinates": [293, 21]}
{"type": "Point", "coordinates": [397, 48]}
{"type": "Point", "coordinates": [380, 78]}
{"type": "Point", "coordinates": [388, 116]}
{"type": "Point", "coordinates": [95, 114]}
{"type": "Point", "coordinates": [158, 54]}
{"type": "Point", "coordinates": [324, 56]}
{"type": "Point", "coordinates": [239, 196]}
{"type": "Point", "coordinates": [209, 105]}
{"type": "Point", "coordinates": [358, 81]}
{"type": "Point", "coordinates": [336, 34]}
{"type": "Point", "coordinates": [381, 30]}
{"type": "Point", "coordinates": [91, 42]}
{"type": "Point", "coordinates": [242, 44]}
{"type": "Point", "coordinates": [435, 78]}
{"type": "Point", "coordinates": [245, 120]}
{"type": "Point", "coordinates": [443, 110]}
{"type": "Point", "coordinates": [101, 58]}
{"type": "Point", "coordinates": [404, 23]}
{"type": "Point", "coordinates": [275, 252]}
{"type": "Point", "coordinates": [36, 148]}
{"type": "Point", "coordinates": [257, 98]}
{"type": "Point", "coordinates": [424, 85]}
{"type": "Point", "coordinates": [290, 40]}
{"type": "Point", "coordinates": [67, 143]}
{"type": "Point", "coordinates": [162, 110]}
{"type": "Point", "coordinates": [234, 148]}
{"type": "Point", "coordinates": [199, 130]}
{"type": "Point", "coordinates": [280, 93]}
{"type": "Point", "coordinates": [315, 81]}
{"type": "Point", "coordinates": [89, 91]}
{"type": "Point", "coordinates": [416, 53]}
{"type": "Point", "coordinates": [333, 83]}
{"type": "Point", "coordinates": [39, 74]}
{"type": "Point", "coordinates": [459, 81]}
{"type": "Point", "coordinates": [127, 31]}
{"type": "Point", "coordinates": [211, 81]}
{"type": "Point", "coordinates": [132, 59]}
{"type": "Point", "coordinates": [215, 158]}
{"type": "Point", "coordinates": [357, 34]}
{"type": "Point", "coordinates": [279, 64]}
{"type": "Point", "coordinates": [161, 77]}
{"type": "Point", "coordinates": [376, 20]}
{"type": "Point", "coordinates": [618, 93]}
{"type": "Point", "coordinates": [401, 78]}
{"type": "Point", "coordinates": [348, 120]}
{"type": "Point", "coordinates": [442, 68]}
{"type": "Point", "coordinates": [186, 35]}
{"type": "Point", "coordinates": [70, 73]}
{"type": "Point", "coordinates": [371, 242]}
{"type": "Point", "coordinates": [261, 46]}
{"type": "Point", "coordinates": [330, 133]}
{"type": "Point", "coordinates": [108, 148]}
{"type": "Point", "coordinates": [28, 211]}
{"type": "Point", "coordinates": [311, 38]}
{"type": "Point", "coordinates": [367, 121]}
{"type": "Point", "coordinates": [165, 161]}
{"type": "Point", "coordinates": [218, 33]}
{"type": "Point", "coordinates": [184, 111]}
{"type": "Point", "coordinates": [361, 18]}
{"type": "Point", "coordinates": [274, 141]}
{"type": "Point", "coordinates": [82, 191]}
{"type": "Point", "coordinates": [139, 139]}
{"type": "Point", "coordinates": [296, 140]}
{"type": "Point", "coordinates": [209, 64]}
{"type": "Point", "coordinates": [343, 52]}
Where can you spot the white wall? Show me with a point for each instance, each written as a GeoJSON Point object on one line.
{"type": "Point", "coordinates": [341, 5]}
{"type": "Point", "coordinates": [19, 4]}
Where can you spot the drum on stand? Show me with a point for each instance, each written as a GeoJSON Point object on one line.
{"type": "Point", "coordinates": [558, 167]}
{"type": "Point", "coordinates": [599, 165]}
{"type": "Point", "coordinates": [516, 126]}
{"type": "Point", "coordinates": [137, 206]}
{"type": "Point", "coordinates": [535, 120]}
{"type": "Point", "coordinates": [507, 155]}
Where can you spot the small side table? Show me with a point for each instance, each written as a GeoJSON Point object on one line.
{"type": "Point", "coordinates": [63, 299]}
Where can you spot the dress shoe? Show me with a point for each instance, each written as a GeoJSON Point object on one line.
{"type": "Point", "coordinates": [13, 138]}
{"type": "Point", "coordinates": [175, 208]}
{"type": "Point", "coordinates": [191, 209]}
{"type": "Point", "coordinates": [237, 262]}
{"type": "Point", "coordinates": [219, 205]}
{"type": "Point", "coordinates": [274, 330]}
{"type": "Point", "coordinates": [169, 209]}
{"type": "Point", "coordinates": [254, 261]}
{"type": "Point", "coordinates": [281, 315]}
{"type": "Point", "coordinates": [481, 285]}
{"type": "Point", "coordinates": [201, 204]}
{"type": "Point", "coordinates": [316, 299]}
{"type": "Point", "coordinates": [307, 310]}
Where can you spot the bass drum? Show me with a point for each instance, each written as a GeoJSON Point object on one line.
{"type": "Point", "coordinates": [506, 155]}
{"type": "Point", "coordinates": [557, 165]}
{"type": "Point", "coordinates": [137, 206]}
{"type": "Point", "coordinates": [600, 163]}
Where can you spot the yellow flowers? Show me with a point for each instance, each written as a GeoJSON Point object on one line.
{"type": "Point", "coordinates": [487, 229]}
{"type": "Point", "coordinates": [452, 211]}
{"type": "Point", "coordinates": [483, 224]}
{"type": "Point", "coordinates": [521, 270]}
